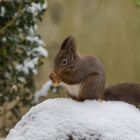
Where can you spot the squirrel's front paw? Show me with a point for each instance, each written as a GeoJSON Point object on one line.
{"type": "Point", "coordinates": [100, 100]}
{"type": "Point", "coordinates": [55, 79]}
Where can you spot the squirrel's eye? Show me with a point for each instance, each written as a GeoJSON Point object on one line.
{"type": "Point", "coordinates": [64, 61]}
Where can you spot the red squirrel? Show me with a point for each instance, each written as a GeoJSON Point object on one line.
{"type": "Point", "coordinates": [84, 77]}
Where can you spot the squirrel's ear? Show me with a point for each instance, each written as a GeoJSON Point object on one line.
{"type": "Point", "coordinates": [69, 43]}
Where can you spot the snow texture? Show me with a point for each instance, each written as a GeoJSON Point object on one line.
{"type": "Point", "coordinates": [2, 11]}
{"type": "Point", "coordinates": [65, 119]}
{"type": "Point", "coordinates": [36, 7]}
{"type": "Point", "coordinates": [43, 91]}
{"type": "Point", "coordinates": [29, 64]}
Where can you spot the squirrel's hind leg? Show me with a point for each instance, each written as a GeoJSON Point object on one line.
{"type": "Point", "coordinates": [92, 88]}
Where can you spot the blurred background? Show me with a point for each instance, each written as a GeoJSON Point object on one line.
{"type": "Point", "coordinates": [106, 28]}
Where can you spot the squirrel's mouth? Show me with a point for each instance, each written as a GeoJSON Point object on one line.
{"type": "Point", "coordinates": [56, 76]}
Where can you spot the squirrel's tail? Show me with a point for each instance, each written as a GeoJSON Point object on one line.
{"type": "Point", "coordinates": [126, 92]}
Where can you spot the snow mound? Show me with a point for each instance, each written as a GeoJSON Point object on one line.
{"type": "Point", "coordinates": [65, 119]}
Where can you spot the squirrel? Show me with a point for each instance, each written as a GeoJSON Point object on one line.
{"type": "Point", "coordinates": [84, 77]}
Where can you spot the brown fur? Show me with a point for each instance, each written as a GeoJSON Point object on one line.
{"type": "Point", "coordinates": [127, 92]}
{"type": "Point", "coordinates": [89, 71]}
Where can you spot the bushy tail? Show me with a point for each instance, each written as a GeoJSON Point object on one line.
{"type": "Point", "coordinates": [126, 92]}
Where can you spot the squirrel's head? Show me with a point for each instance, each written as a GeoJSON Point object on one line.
{"type": "Point", "coordinates": [65, 58]}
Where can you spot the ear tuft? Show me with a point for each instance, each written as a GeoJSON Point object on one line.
{"type": "Point", "coordinates": [69, 43]}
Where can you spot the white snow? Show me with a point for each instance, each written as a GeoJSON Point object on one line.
{"type": "Point", "coordinates": [43, 91]}
{"type": "Point", "coordinates": [2, 11]}
{"type": "Point", "coordinates": [42, 51]}
{"type": "Point", "coordinates": [22, 79]}
{"type": "Point", "coordinates": [4, 39]}
{"type": "Point", "coordinates": [65, 119]}
{"type": "Point", "coordinates": [36, 7]}
{"type": "Point", "coordinates": [33, 54]}
{"type": "Point", "coordinates": [28, 64]}
{"type": "Point", "coordinates": [35, 39]}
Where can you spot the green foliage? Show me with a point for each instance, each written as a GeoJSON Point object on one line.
{"type": "Point", "coordinates": [21, 51]}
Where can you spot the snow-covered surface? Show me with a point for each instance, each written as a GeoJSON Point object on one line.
{"type": "Point", "coordinates": [65, 119]}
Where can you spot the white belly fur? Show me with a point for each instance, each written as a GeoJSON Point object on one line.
{"type": "Point", "coordinates": [73, 89]}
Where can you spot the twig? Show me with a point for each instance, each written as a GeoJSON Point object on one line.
{"type": "Point", "coordinates": [10, 23]}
